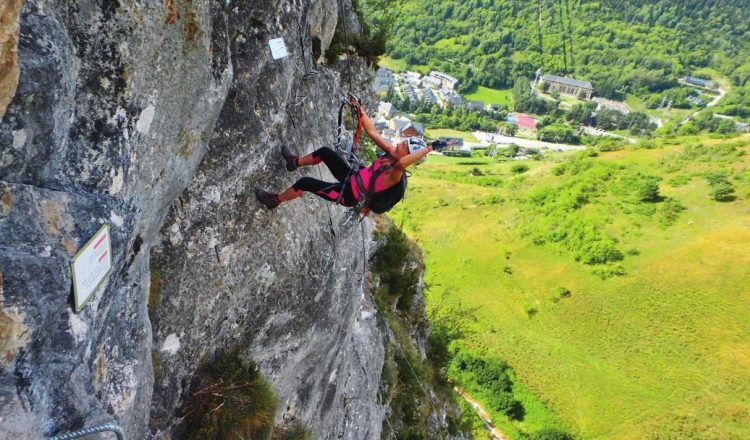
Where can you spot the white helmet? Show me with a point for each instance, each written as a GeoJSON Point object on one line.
{"type": "Point", "coordinates": [415, 144]}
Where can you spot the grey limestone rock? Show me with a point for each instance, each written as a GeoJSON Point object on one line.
{"type": "Point", "coordinates": [158, 118]}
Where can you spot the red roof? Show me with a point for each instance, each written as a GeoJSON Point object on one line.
{"type": "Point", "coordinates": [526, 121]}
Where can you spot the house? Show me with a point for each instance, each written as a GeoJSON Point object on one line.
{"type": "Point", "coordinates": [413, 78]}
{"type": "Point", "coordinates": [453, 141]}
{"type": "Point", "coordinates": [524, 121]}
{"type": "Point", "coordinates": [413, 75]}
{"type": "Point", "coordinates": [695, 100]}
{"type": "Point", "coordinates": [389, 134]}
{"type": "Point", "coordinates": [428, 96]}
{"type": "Point", "coordinates": [449, 97]}
{"type": "Point", "coordinates": [384, 79]}
{"type": "Point", "coordinates": [475, 105]}
{"type": "Point", "coordinates": [381, 123]}
{"type": "Point", "coordinates": [409, 93]}
{"type": "Point", "coordinates": [602, 103]}
{"type": "Point", "coordinates": [700, 82]}
{"type": "Point", "coordinates": [403, 126]}
{"type": "Point", "coordinates": [448, 81]}
{"type": "Point", "coordinates": [386, 109]}
{"type": "Point", "coordinates": [411, 129]}
{"type": "Point", "coordinates": [568, 86]}
{"type": "Point", "coordinates": [431, 81]}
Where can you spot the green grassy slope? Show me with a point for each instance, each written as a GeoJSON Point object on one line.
{"type": "Point", "coordinates": [660, 352]}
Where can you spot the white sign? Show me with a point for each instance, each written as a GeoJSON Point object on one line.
{"type": "Point", "coordinates": [278, 48]}
{"type": "Point", "coordinates": [91, 266]}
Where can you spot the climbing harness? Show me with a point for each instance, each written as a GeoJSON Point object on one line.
{"type": "Point", "coordinates": [351, 154]}
{"type": "Point", "coordinates": [107, 427]}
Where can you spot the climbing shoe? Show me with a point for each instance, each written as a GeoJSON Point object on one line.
{"type": "Point", "coordinates": [289, 158]}
{"type": "Point", "coordinates": [269, 199]}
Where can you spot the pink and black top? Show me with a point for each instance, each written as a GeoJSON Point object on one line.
{"type": "Point", "coordinates": [365, 175]}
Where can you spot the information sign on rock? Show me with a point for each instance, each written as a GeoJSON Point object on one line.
{"type": "Point", "coordinates": [278, 48]}
{"type": "Point", "coordinates": [91, 266]}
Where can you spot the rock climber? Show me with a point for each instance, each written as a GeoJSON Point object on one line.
{"type": "Point", "coordinates": [352, 187]}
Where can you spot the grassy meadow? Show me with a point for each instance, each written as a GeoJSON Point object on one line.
{"type": "Point", "coordinates": [492, 96]}
{"type": "Point", "coordinates": [434, 133]}
{"type": "Point", "coordinates": [623, 313]}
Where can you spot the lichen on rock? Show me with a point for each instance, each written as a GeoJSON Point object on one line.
{"type": "Point", "coordinates": [9, 73]}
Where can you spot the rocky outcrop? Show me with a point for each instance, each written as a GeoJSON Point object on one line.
{"type": "Point", "coordinates": [158, 118]}
{"type": "Point", "coordinates": [9, 12]}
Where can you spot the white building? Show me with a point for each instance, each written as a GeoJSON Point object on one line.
{"type": "Point", "coordinates": [386, 109]}
{"type": "Point", "coordinates": [431, 81]}
{"type": "Point", "coordinates": [384, 79]}
{"type": "Point", "coordinates": [447, 80]}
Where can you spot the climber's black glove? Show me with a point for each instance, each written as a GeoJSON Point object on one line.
{"type": "Point", "coordinates": [438, 145]}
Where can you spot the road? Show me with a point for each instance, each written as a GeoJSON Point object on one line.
{"type": "Point", "coordinates": [596, 132]}
{"type": "Point", "coordinates": [494, 432]}
{"type": "Point", "coordinates": [713, 102]}
{"type": "Point", "coordinates": [487, 138]}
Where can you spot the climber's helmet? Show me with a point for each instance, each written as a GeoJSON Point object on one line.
{"type": "Point", "coordinates": [415, 144]}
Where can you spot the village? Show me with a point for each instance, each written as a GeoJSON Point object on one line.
{"type": "Point", "coordinates": [441, 90]}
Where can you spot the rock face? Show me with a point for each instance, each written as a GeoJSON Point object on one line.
{"type": "Point", "coordinates": [158, 118]}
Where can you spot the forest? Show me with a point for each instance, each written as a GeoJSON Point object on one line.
{"type": "Point", "coordinates": [633, 47]}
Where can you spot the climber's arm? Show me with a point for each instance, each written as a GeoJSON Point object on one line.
{"type": "Point", "coordinates": [376, 137]}
{"type": "Point", "coordinates": [414, 157]}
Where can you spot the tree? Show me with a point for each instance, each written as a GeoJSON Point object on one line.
{"type": "Point", "coordinates": [721, 189]}
{"type": "Point", "coordinates": [648, 191]}
{"type": "Point", "coordinates": [512, 129]}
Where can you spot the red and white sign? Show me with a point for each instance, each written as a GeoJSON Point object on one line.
{"type": "Point", "coordinates": [91, 266]}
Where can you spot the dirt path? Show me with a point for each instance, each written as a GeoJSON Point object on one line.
{"type": "Point", "coordinates": [713, 102]}
{"type": "Point", "coordinates": [494, 432]}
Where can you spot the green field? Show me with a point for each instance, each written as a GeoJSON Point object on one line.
{"type": "Point", "coordinates": [491, 96]}
{"type": "Point", "coordinates": [434, 133]}
{"type": "Point", "coordinates": [654, 346]}
{"type": "Point", "coordinates": [392, 64]}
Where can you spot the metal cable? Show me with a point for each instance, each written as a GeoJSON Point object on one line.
{"type": "Point", "coordinates": [113, 427]}
{"type": "Point", "coordinates": [346, 40]}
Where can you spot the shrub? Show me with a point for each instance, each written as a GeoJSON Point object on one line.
{"type": "Point", "coordinates": [722, 192]}
{"type": "Point", "coordinates": [502, 402]}
{"type": "Point", "coordinates": [519, 168]}
{"type": "Point", "coordinates": [396, 277]}
{"type": "Point", "coordinates": [492, 374]}
{"type": "Point", "coordinates": [670, 211]}
{"type": "Point", "coordinates": [609, 271]}
{"type": "Point", "coordinates": [230, 400]}
{"type": "Point", "coordinates": [560, 293]}
{"type": "Point", "coordinates": [476, 172]}
{"type": "Point", "coordinates": [599, 252]}
{"type": "Point", "coordinates": [681, 180]}
{"type": "Point", "coordinates": [531, 311]}
{"type": "Point", "coordinates": [551, 434]}
{"type": "Point", "coordinates": [721, 189]}
{"type": "Point", "coordinates": [494, 200]}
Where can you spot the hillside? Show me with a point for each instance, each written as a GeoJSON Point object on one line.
{"type": "Point", "coordinates": [613, 284]}
{"type": "Point", "coordinates": [207, 315]}
{"type": "Point", "coordinates": [635, 47]}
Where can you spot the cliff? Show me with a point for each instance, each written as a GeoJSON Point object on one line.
{"type": "Point", "coordinates": [158, 118]}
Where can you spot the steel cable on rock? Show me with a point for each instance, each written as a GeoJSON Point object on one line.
{"type": "Point", "coordinates": [107, 427]}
